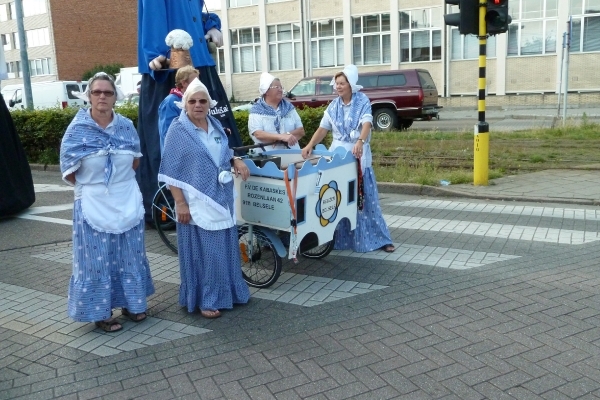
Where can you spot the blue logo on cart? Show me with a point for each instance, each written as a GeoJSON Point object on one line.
{"type": "Point", "coordinates": [329, 201]}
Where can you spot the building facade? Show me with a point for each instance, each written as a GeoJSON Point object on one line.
{"type": "Point", "coordinates": [296, 38]}
{"type": "Point", "coordinates": [65, 38]}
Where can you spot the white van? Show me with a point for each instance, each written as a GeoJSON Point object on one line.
{"type": "Point", "coordinates": [45, 94]}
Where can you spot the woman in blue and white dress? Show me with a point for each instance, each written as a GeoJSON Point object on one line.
{"type": "Point", "coordinates": [272, 118]}
{"type": "Point", "coordinates": [349, 119]}
{"type": "Point", "coordinates": [196, 164]}
{"type": "Point", "coordinates": [99, 153]}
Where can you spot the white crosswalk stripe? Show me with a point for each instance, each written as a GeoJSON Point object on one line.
{"type": "Point", "coordinates": [518, 232]}
{"type": "Point", "coordinates": [551, 212]}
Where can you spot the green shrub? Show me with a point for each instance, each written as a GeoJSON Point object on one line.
{"type": "Point", "coordinates": [41, 130]}
{"type": "Point", "coordinates": [310, 117]}
{"type": "Point", "coordinates": [111, 69]}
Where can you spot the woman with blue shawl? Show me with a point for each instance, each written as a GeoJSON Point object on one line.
{"type": "Point", "coordinates": [196, 164]}
{"type": "Point", "coordinates": [98, 156]}
{"type": "Point", "coordinates": [349, 119]}
{"type": "Point", "coordinates": [272, 118]}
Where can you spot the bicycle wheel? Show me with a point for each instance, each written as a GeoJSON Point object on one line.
{"type": "Point", "coordinates": [261, 265]}
{"type": "Point", "coordinates": [318, 251]}
{"type": "Point", "coordinates": [163, 215]}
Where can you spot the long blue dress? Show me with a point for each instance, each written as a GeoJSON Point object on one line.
{"type": "Point", "coordinates": [109, 271]}
{"type": "Point", "coordinates": [209, 253]}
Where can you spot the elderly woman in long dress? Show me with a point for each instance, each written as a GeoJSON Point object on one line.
{"type": "Point", "coordinates": [349, 119]}
{"type": "Point", "coordinates": [196, 164]}
{"type": "Point", "coordinates": [272, 118]}
{"type": "Point", "coordinates": [98, 155]}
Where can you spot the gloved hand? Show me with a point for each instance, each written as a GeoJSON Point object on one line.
{"type": "Point", "coordinates": [215, 36]}
{"type": "Point", "coordinates": [159, 62]}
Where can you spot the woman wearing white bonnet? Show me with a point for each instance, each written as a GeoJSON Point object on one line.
{"type": "Point", "coordinates": [196, 164]}
{"type": "Point", "coordinates": [273, 118]}
{"type": "Point", "coordinates": [349, 119]}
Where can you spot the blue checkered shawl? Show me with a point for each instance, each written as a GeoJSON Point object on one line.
{"type": "Point", "coordinates": [262, 108]}
{"type": "Point", "coordinates": [342, 127]}
{"type": "Point", "coordinates": [187, 164]}
{"type": "Point", "coordinates": [85, 138]}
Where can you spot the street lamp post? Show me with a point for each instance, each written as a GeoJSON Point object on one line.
{"type": "Point", "coordinates": [24, 56]}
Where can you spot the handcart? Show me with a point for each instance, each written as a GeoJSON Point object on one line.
{"type": "Point", "coordinates": [287, 206]}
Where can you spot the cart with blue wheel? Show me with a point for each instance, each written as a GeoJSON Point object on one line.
{"type": "Point", "coordinates": [287, 207]}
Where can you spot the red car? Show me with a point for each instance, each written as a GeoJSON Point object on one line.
{"type": "Point", "coordinates": [397, 97]}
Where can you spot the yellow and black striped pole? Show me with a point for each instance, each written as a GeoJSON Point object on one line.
{"type": "Point", "coordinates": [482, 130]}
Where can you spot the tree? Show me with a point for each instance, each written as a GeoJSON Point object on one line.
{"type": "Point", "coordinates": [111, 69]}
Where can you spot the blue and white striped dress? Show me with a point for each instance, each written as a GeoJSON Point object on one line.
{"type": "Point", "coordinates": [109, 270]}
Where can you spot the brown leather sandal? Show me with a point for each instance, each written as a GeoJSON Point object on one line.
{"type": "Point", "coordinates": [134, 317]}
{"type": "Point", "coordinates": [109, 326]}
{"type": "Point", "coordinates": [388, 248]}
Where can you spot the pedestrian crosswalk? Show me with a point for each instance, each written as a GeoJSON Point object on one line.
{"type": "Point", "coordinates": [452, 240]}
{"type": "Point", "coordinates": [309, 291]}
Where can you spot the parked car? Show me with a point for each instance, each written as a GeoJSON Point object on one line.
{"type": "Point", "coordinates": [397, 97]}
{"type": "Point", "coordinates": [130, 98]}
{"type": "Point", "coordinates": [45, 94]}
{"type": "Point", "coordinates": [242, 107]}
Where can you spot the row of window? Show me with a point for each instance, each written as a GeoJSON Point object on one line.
{"type": "Point", "coordinates": [35, 38]}
{"type": "Point", "coordinates": [533, 31]}
{"type": "Point", "coordinates": [30, 7]}
{"type": "Point", "coordinates": [37, 67]}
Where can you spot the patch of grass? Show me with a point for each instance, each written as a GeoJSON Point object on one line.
{"type": "Point", "coordinates": [536, 158]}
{"type": "Point", "coordinates": [428, 157]}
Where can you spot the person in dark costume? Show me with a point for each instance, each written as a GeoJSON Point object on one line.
{"type": "Point", "coordinates": [16, 182]}
{"type": "Point", "coordinates": [156, 18]}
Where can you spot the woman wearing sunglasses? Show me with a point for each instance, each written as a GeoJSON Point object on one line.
{"type": "Point", "coordinates": [98, 156]}
{"type": "Point", "coordinates": [196, 164]}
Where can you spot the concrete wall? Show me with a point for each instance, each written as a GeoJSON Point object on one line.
{"type": "Point", "coordinates": [531, 74]}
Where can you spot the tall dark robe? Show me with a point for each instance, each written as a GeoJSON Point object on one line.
{"type": "Point", "coordinates": [16, 183]}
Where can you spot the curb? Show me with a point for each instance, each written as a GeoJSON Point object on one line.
{"type": "Point", "coordinates": [434, 191]}
{"type": "Point", "coordinates": [45, 167]}
{"type": "Point", "coordinates": [414, 189]}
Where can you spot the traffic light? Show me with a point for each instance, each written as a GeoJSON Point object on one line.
{"type": "Point", "coordinates": [497, 19]}
{"type": "Point", "coordinates": [467, 20]}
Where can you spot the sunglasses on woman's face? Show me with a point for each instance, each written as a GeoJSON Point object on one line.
{"type": "Point", "coordinates": [107, 93]}
{"type": "Point", "coordinates": [201, 101]}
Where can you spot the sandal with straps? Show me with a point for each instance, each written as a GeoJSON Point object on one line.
{"type": "Point", "coordinates": [134, 317]}
{"type": "Point", "coordinates": [109, 326]}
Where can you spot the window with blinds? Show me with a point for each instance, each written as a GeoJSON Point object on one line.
{"type": "Point", "coordinates": [285, 47]}
{"type": "Point", "coordinates": [585, 33]}
{"type": "Point", "coordinates": [327, 43]}
{"type": "Point", "coordinates": [241, 3]}
{"type": "Point", "coordinates": [245, 50]}
{"type": "Point", "coordinates": [533, 30]}
{"type": "Point", "coordinates": [371, 39]}
{"type": "Point", "coordinates": [421, 35]}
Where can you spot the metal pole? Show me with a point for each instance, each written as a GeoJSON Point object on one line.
{"type": "Point", "coordinates": [482, 136]}
{"type": "Point", "coordinates": [566, 91]}
{"type": "Point", "coordinates": [560, 77]}
{"type": "Point", "coordinates": [24, 57]}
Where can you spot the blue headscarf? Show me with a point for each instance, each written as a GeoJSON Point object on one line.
{"type": "Point", "coordinates": [262, 108]}
{"type": "Point", "coordinates": [84, 137]}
